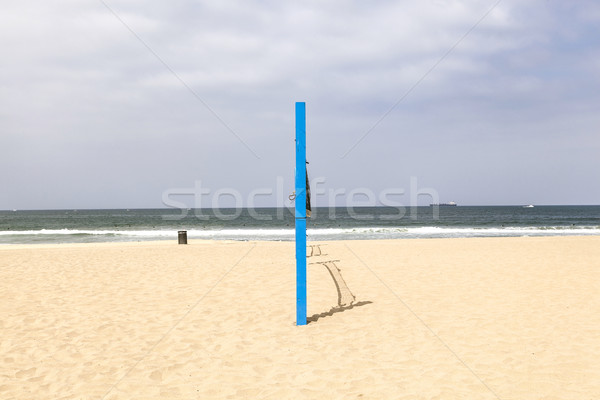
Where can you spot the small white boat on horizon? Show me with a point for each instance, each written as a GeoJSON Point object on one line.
{"type": "Point", "coordinates": [529, 206]}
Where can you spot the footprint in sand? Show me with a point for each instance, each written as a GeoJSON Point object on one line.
{"type": "Point", "coordinates": [25, 372]}
{"type": "Point", "coordinates": [156, 375]}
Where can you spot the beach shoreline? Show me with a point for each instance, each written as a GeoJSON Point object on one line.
{"type": "Point", "coordinates": [511, 317]}
{"type": "Point", "coordinates": [193, 241]}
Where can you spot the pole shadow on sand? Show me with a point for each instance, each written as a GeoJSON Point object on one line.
{"type": "Point", "coordinates": [335, 310]}
{"type": "Point", "coordinates": [345, 298]}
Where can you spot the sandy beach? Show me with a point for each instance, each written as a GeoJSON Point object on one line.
{"type": "Point", "coordinates": [481, 318]}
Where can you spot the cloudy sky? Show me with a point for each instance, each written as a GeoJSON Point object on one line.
{"type": "Point", "coordinates": [113, 103]}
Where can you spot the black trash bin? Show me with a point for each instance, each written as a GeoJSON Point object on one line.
{"type": "Point", "coordinates": [182, 237]}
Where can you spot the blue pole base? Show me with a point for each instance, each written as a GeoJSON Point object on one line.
{"type": "Point", "coordinates": [301, 271]}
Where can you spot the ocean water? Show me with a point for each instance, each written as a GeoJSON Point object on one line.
{"type": "Point", "coordinates": [83, 226]}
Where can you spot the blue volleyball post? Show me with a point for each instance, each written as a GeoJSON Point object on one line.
{"type": "Point", "coordinates": [300, 213]}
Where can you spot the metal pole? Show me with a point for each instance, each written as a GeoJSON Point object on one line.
{"type": "Point", "coordinates": [300, 213]}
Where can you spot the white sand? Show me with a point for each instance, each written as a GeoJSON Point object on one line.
{"type": "Point", "coordinates": [508, 318]}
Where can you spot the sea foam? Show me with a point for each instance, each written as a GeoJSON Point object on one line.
{"type": "Point", "coordinates": [313, 233]}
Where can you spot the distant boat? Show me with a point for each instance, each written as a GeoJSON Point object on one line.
{"type": "Point", "coordinates": [449, 204]}
{"type": "Point", "coordinates": [528, 206]}
{"type": "Point", "coordinates": [14, 210]}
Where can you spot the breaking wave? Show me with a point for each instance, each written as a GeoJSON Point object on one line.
{"type": "Point", "coordinates": [83, 235]}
